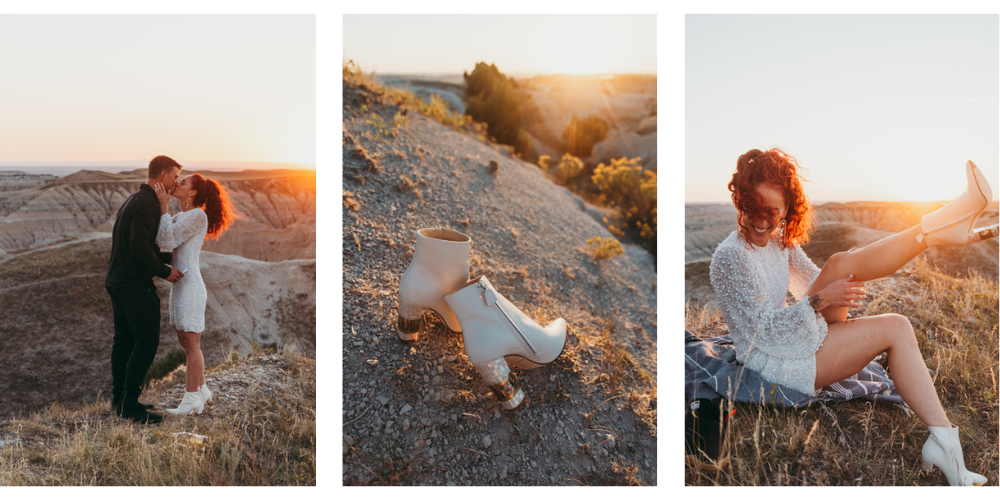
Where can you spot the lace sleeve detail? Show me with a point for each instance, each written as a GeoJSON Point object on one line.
{"type": "Point", "coordinates": [177, 229]}
{"type": "Point", "coordinates": [791, 332]}
{"type": "Point", "coordinates": [802, 270]}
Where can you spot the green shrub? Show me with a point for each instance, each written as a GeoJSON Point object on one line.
{"type": "Point", "coordinates": [581, 135]}
{"type": "Point", "coordinates": [168, 363]}
{"type": "Point", "coordinates": [491, 98]}
{"type": "Point", "coordinates": [632, 190]}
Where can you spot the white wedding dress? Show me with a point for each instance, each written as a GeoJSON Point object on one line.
{"type": "Point", "coordinates": [183, 234]}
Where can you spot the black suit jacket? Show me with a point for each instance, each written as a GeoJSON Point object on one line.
{"type": "Point", "coordinates": [135, 256]}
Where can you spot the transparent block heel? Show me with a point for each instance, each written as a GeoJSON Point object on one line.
{"type": "Point", "coordinates": [926, 466]}
{"type": "Point", "coordinates": [498, 377]}
{"type": "Point", "coordinates": [411, 320]}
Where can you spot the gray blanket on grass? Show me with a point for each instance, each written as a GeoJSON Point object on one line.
{"type": "Point", "coordinates": [711, 371]}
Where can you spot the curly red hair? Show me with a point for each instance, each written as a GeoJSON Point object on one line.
{"type": "Point", "coordinates": [211, 197]}
{"type": "Point", "coordinates": [780, 170]}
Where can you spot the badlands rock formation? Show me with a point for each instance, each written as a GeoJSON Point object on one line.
{"type": "Point", "coordinates": [56, 329]}
{"type": "Point", "coordinates": [278, 210]}
{"type": "Point", "coordinates": [626, 102]}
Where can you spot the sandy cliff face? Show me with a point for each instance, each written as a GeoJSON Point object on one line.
{"type": "Point", "coordinates": [278, 208]}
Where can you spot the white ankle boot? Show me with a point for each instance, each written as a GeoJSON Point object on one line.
{"type": "Point", "coordinates": [205, 393]}
{"type": "Point", "coordinates": [953, 223]}
{"type": "Point", "coordinates": [440, 264]}
{"type": "Point", "coordinates": [496, 332]}
{"type": "Point", "coordinates": [945, 451]}
{"type": "Point", "coordinates": [192, 402]}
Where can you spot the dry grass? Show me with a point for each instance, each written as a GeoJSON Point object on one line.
{"type": "Point", "coordinates": [865, 443]}
{"type": "Point", "coordinates": [264, 437]}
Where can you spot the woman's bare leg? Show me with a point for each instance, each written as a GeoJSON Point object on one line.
{"type": "Point", "coordinates": [851, 345]}
{"type": "Point", "coordinates": [195, 371]}
{"type": "Point", "coordinates": [876, 260]}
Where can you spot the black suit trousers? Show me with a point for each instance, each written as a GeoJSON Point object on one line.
{"type": "Point", "coordinates": [137, 336]}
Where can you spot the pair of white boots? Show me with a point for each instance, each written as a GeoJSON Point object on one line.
{"type": "Point", "coordinates": [495, 331]}
{"type": "Point", "coordinates": [194, 402]}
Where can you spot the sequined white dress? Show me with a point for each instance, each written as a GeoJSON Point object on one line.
{"type": "Point", "coordinates": [183, 234]}
{"type": "Point", "coordinates": [771, 338]}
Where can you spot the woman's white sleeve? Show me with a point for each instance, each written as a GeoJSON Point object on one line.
{"type": "Point", "coordinates": [177, 229]}
{"type": "Point", "coordinates": [802, 270]}
{"type": "Point", "coordinates": [792, 332]}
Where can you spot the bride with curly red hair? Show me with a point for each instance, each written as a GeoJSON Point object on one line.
{"type": "Point", "coordinates": [812, 344]}
{"type": "Point", "coordinates": [206, 212]}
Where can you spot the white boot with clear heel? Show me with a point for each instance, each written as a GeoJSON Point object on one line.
{"type": "Point", "coordinates": [954, 223]}
{"type": "Point", "coordinates": [440, 263]}
{"type": "Point", "coordinates": [496, 333]}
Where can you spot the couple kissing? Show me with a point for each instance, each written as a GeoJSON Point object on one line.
{"type": "Point", "coordinates": [148, 242]}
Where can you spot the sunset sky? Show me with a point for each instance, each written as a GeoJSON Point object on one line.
{"type": "Point", "coordinates": [520, 45]}
{"type": "Point", "coordinates": [878, 107]}
{"type": "Point", "coordinates": [125, 88]}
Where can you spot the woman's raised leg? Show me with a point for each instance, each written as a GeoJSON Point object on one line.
{"type": "Point", "coordinates": [851, 345]}
{"type": "Point", "coordinates": [876, 260]}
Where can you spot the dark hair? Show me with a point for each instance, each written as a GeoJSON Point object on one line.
{"type": "Point", "coordinates": [774, 168]}
{"type": "Point", "coordinates": [160, 164]}
{"type": "Point", "coordinates": [211, 197]}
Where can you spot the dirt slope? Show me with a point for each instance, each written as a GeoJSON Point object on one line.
{"type": "Point", "coordinates": [57, 326]}
{"type": "Point", "coordinates": [419, 413]}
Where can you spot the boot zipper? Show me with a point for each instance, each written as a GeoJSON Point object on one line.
{"type": "Point", "coordinates": [491, 300]}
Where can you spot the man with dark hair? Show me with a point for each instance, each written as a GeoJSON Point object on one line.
{"type": "Point", "coordinates": [135, 260]}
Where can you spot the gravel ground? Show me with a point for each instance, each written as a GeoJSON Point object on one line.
{"type": "Point", "coordinates": [419, 413]}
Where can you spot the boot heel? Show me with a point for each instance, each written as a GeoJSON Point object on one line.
{"type": "Point", "coordinates": [411, 320]}
{"type": "Point", "coordinates": [498, 377]}
{"type": "Point", "coordinates": [927, 466]}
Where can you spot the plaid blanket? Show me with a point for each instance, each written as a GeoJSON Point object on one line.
{"type": "Point", "coordinates": [711, 371]}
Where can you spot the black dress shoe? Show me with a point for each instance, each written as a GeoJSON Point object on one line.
{"type": "Point", "coordinates": [115, 406]}
{"type": "Point", "coordinates": [138, 414]}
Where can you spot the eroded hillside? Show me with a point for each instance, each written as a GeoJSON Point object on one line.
{"type": "Point", "coordinates": [278, 210]}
